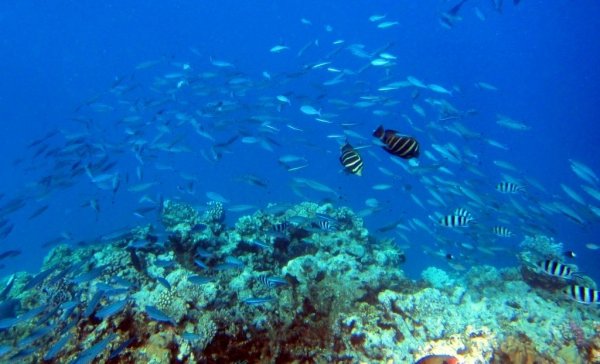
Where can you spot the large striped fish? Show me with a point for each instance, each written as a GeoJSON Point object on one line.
{"type": "Point", "coordinates": [351, 160]}
{"type": "Point", "coordinates": [556, 269]}
{"type": "Point", "coordinates": [402, 146]}
{"type": "Point", "coordinates": [582, 294]}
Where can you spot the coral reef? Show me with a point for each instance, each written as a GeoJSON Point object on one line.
{"type": "Point", "coordinates": [179, 217]}
{"type": "Point", "coordinates": [437, 278]}
{"type": "Point", "coordinates": [536, 248]}
{"type": "Point", "coordinates": [303, 283]}
{"type": "Point", "coordinates": [519, 350]}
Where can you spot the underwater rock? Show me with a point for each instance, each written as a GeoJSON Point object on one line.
{"type": "Point", "coordinates": [570, 354]}
{"type": "Point", "coordinates": [542, 281]}
{"type": "Point", "coordinates": [519, 350]}
{"type": "Point", "coordinates": [537, 248]}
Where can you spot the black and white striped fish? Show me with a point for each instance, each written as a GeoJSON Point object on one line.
{"type": "Point", "coordinates": [556, 269]}
{"type": "Point", "coordinates": [582, 294]}
{"type": "Point", "coordinates": [509, 187]}
{"type": "Point", "coordinates": [280, 227]}
{"type": "Point", "coordinates": [402, 146]}
{"type": "Point", "coordinates": [456, 221]}
{"type": "Point", "coordinates": [325, 217]}
{"type": "Point", "coordinates": [462, 212]}
{"type": "Point", "coordinates": [273, 281]}
{"type": "Point", "coordinates": [502, 231]}
{"type": "Point", "coordinates": [351, 160]}
{"type": "Point", "coordinates": [326, 225]}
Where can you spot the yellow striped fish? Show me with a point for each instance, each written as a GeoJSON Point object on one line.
{"type": "Point", "coordinates": [402, 146]}
{"type": "Point", "coordinates": [582, 294]}
{"type": "Point", "coordinates": [351, 160]}
{"type": "Point", "coordinates": [455, 221]}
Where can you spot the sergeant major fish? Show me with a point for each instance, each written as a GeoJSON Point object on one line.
{"type": "Point", "coordinates": [509, 187]}
{"type": "Point", "coordinates": [273, 281]}
{"type": "Point", "coordinates": [455, 221]}
{"type": "Point", "coordinates": [502, 231]}
{"type": "Point", "coordinates": [463, 212]}
{"type": "Point", "coordinates": [556, 269]}
{"type": "Point", "coordinates": [582, 294]}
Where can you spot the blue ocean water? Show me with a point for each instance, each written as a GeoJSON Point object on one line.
{"type": "Point", "coordinates": [541, 56]}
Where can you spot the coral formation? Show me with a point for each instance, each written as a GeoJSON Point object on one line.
{"type": "Point", "coordinates": [437, 278]}
{"type": "Point", "coordinates": [519, 350]}
{"type": "Point", "coordinates": [282, 286]}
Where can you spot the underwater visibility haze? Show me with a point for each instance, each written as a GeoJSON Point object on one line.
{"type": "Point", "coordinates": [300, 181]}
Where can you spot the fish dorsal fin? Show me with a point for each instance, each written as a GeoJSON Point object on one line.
{"type": "Point", "coordinates": [346, 147]}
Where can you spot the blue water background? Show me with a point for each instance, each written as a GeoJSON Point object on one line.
{"type": "Point", "coordinates": [543, 57]}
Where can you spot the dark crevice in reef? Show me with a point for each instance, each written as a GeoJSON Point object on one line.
{"type": "Point", "coordinates": [296, 343]}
